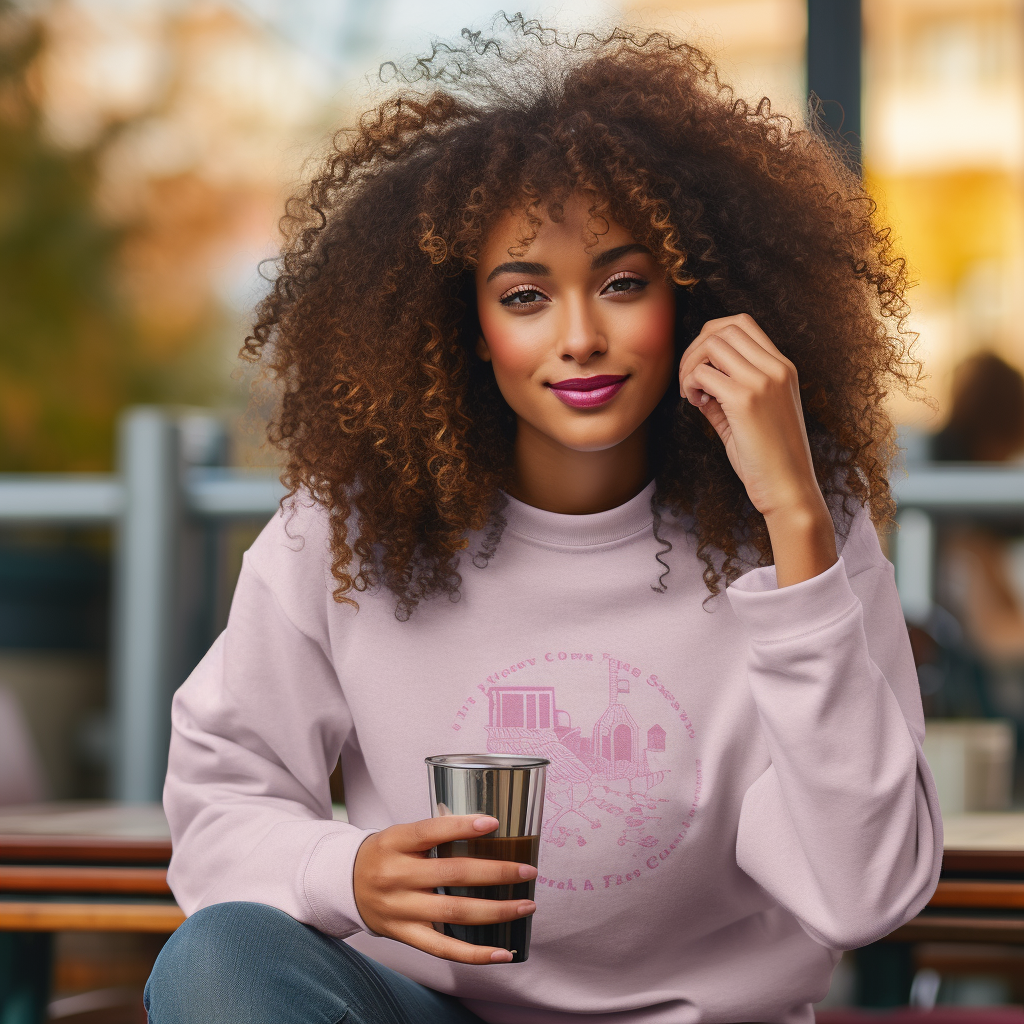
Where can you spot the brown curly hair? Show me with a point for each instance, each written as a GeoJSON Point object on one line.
{"type": "Point", "coordinates": [390, 421]}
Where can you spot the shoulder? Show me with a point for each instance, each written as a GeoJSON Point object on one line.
{"type": "Point", "coordinates": [296, 538]}
{"type": "Point", "coordinates": [292, 558]}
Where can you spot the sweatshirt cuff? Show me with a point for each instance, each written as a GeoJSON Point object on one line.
{"type": "Point", "coordinates": [774, 615]}
{"type": "Point", "coordinates": [327, 882]}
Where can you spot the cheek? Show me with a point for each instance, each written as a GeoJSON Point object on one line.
{"type": "Point", "coordinates": [512, 344]}
{"type": "Point", "coordinates": [650, 335]}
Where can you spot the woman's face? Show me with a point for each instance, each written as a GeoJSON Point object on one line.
{"type": "Point", "coordinates": [580, 338]}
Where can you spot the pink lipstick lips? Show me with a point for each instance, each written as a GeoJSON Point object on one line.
{"type": "Point", "coordinates": [588, 392]}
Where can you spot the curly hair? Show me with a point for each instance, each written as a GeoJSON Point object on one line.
{"type": "Point", "coordinates": [389, 420]}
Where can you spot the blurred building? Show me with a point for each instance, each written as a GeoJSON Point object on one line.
{"type": "Point", "coordinates": [944, 155]}
{"type": "Point", "coordinates": [758, 44]}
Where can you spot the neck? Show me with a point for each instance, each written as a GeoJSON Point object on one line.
{"type": "Point", "coordinates": [552, 477]}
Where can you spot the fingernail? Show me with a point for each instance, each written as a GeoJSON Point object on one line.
{"type": "Point", "coordinates": [485, 824]}
{"type": "Point", "coordinates": [527, 871]}
{"type": "Point", "coordinates": [526, 907]}
{"type": "Point", "coordinates": [704, 398]}
{"type": "Point", "coordinates": [501, 956]}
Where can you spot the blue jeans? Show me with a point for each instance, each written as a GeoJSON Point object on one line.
{"type": "Point", "coordinates": [246, 963]}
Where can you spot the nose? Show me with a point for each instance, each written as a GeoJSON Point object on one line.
{"type": "Point", "coordinates": [581, 336]}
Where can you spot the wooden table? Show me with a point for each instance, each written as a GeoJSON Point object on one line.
{"type": "Point", "coordinates": [75, 867]}
{"type": "Point", "coordinates": [980, 897]}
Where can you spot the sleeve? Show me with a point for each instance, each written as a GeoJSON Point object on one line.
{"type": "Point", "coordinates": [256, 730]}
{"type": "Point", "coordinates": [843, 829]}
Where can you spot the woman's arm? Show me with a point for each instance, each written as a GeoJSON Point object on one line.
{"type": "Point", "coordinates": [843, 829]}
{"type": "Point", "coordinates": [257, 729]}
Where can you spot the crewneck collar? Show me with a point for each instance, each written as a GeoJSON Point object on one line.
{"type": "Point", "coordinates": [562, 530]}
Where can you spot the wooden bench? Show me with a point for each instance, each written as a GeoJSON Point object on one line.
{"type": "Point", "coordinates": [75, 867]}
{"type": "Point", "coordinates": [103, 867]}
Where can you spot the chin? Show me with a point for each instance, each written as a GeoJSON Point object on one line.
{"type": "Point", "coordinates": [598, 439]}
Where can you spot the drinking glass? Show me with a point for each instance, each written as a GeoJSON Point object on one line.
{"type": "Point", "coordinates": [510, 789]}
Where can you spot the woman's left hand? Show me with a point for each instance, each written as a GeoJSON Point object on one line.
{"type": "Point", "coordinates": [749, 392]}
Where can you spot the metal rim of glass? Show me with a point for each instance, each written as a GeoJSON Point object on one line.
{"type": "Point", "coordinates": [485, 761]}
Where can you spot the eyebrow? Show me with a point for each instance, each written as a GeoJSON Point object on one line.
{"type": "Point", "coordinates": [611, 255]}
{"type": "Point", "coordinates": [543, 270]}
{"type": "Point", "coordinates": [518, 267]}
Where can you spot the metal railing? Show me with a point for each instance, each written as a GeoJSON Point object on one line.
{"type": "Point", "coordinates": [149, 502]}
{"type": "Point", "coordinates": [929, 493]}
{"type": "Point", "coordinates": [157, 496]}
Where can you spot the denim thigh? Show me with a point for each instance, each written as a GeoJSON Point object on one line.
{"type": "Point", "coordinates": [247, 963]}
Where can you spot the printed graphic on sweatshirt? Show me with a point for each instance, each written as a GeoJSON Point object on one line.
{"type": "Point", "coordinates": [624, 781]}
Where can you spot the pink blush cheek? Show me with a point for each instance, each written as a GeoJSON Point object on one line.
{"type": "Point", "coordinates": [513, 360]}
{"type": "Point", "coordinates": [513, 351]}
{"type": "Point", "coordinates": [652, 336]}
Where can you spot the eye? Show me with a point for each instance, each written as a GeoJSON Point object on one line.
{"type": "Point", "coordinates": [623, 283]}
{"type": "Point", "coordinates": [522, 295]}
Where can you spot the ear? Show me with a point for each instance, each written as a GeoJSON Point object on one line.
{"type": "Point", "coordinates": [482, 350]}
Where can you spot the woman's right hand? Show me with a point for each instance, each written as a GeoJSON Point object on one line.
{"type": "Point", "coordinates": [394, 881]}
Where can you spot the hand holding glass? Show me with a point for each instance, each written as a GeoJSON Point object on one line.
{"type": "Point", "coordinates": [396, 879]}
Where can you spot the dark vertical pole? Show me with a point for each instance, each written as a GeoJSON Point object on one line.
{"type": "Point", "coordinates": [25, 965]}
{"type": "Point", "coordinates": [833, 70]}
{"type": "Point", "coordinates": [885, 973]}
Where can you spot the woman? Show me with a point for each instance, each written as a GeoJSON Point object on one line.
{"type": "Point", "coordinates": [568, 341]}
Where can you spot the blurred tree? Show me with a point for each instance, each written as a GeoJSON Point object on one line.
{"type": "Point", "coordinates": [78, 339]}
{"type": "Point", "coordinates": [64, 337]}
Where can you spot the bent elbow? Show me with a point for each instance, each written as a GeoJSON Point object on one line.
{"type": "Point", "coordinates": [852, 926]}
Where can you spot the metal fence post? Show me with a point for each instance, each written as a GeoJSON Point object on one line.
{"type": "Point", "coordinates": [145, 586]}
{"type": "Point", "coordinates": [915, 557]}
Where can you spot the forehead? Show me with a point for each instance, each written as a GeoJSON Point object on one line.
{"type": "Point", "coordinates": [575, 232]}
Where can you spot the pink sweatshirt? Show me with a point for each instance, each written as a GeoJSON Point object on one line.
{"type": "Point", "coordinates": [736, 790]}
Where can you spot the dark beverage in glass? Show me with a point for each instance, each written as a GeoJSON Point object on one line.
{"type": "Point", "coordinates": [513, 935]}
{"type": "Point", "coordinates": [510, 789]}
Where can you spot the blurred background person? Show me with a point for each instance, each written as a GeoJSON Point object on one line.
{"type": "Point", "coordinates": [986, 416]}
{"type": "Point", "coordinates": [982, 561]}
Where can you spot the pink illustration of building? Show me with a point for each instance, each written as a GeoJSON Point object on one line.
{"type": "Point", "coordinates": [616, 741]}
{"type": "Point", "coordinates": [525, 720]}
